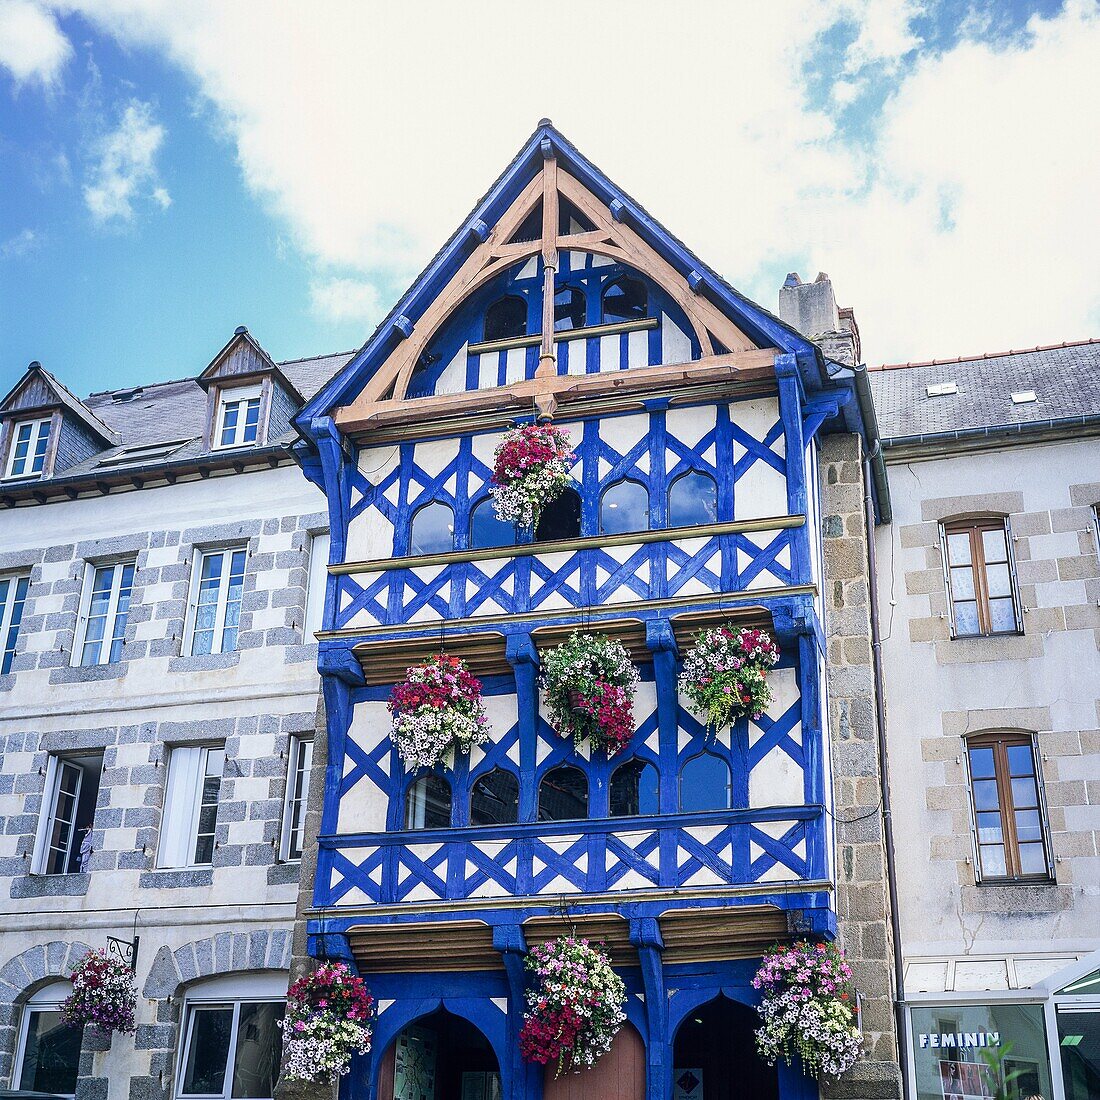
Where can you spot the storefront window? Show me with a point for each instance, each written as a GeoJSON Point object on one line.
{"type": "Point", "coordinates": [1079, 1045]}
{"type": "Point", "coordinates": [949, 1044]}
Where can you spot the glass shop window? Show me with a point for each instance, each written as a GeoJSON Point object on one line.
{"type": "Point", "coordinates": [494, 799]}
{"type": "Point", "coordinates": [948, 1044]}
{"type": "Point", "coordinates": [633, 789]}
{"type": "Point", "coordinates": [561, 519]}
{"type": "Point", "coordinates": [1008, 813]}
{"type": "Point", "coordinates": [624, 507]}
{"type": "Point", "coordinates": [569, 309]}
{"type": "Point", "coordinates": [705, 784]}
{"type": "Point", "coordinates": [624, 299]}
{"type": "Point", "coordinates": [63, 845]}
{"type": "Point", "coordinates": [979, 572]}
{"type": "Point", "coordinates": [1079, 1046]}
{"type": "Point", "coordinates": [692, 500]}
{"type": "Point", "coordinates": [506, 319]}
{"type": "Point", "coordinates": [47, 1053]}
{"type": "Point", "coordinates": [428, 803]}
{"type": "Point", "coordinates": [432, 530]}
{"type": "Point", "coordinates": [488, 531]}
{"type": "Point", "coordinates": [563, 795]}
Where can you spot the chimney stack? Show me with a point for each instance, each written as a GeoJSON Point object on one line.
{"type": "Point", "coordinates": [811, 308]}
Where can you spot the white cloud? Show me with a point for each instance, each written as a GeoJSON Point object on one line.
{"type": "Point", "coordinates": [342, 299]}
{"type": "Point", "coordinates": [27, 240]}
{"type": "Point", "coordinates": [961, 218]}
{"type": "Point", "coordinates": [32, 45]}
{"type": "Point", "coordinates": [125, 168]}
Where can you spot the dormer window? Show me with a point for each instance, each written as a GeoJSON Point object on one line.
{"type": "Point", "coordinates": [29, 441]}
{"type": "Point", "coordinates": [238, 417]}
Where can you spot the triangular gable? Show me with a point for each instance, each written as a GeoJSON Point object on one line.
{"type": "Point", "coordinates": [39, 390]}
{"type": "Point", "coordinates": [489, 241]}
{"type": "Point", "coordinates": [242, 358]}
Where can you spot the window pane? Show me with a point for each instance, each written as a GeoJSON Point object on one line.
{"type": "Point", "coordinates": [563, 795]}
{"type": "Point", "coordinates": [251, 420]}
{"type": "Point", "coordinates": [1002, 616]}
{"type": "Point", "coordinates": [1028, 826]}
{"type": "Point", "coordinates": [1079, 1044]}
{"type": "Point", "coordinates": [122, 612]}
{"type": "Point", "coordinates": [506, 319]}
{"type": "Point", "coordinates": [207, 1051]}
{"type": "Point", "coordinates": [432, 530]}
{"type": "Point", "coordinates": [428, 803]}
{"type": "Point", "coordinates": [998, 580]}
{"type": "Point", "coordinates": [495, 799]}
{"type": "Point", "coordinates": [229, 423]}
{"type": "Point", "coordinates": [962, 583]}
{"type": "Point", "coordinates": [958, 548]}
{"type": "Point", "coordinates": [259, 1050]}
{"type": "Point", "coordinates": [633, 789]}
{"type": "Point", "coordinates": [568, 309]}
{"type": "Point", "coordinates": [993, 860]}
{"type": "Point", "coordinates": [40, 447]}
{"type": "Point", "coordinates": [989, 828]}
{"type": "Point", "coordinates": [1020, 761]}
{"type": "Point", "coordinates": [624, 507]}
{"type": "Point", "coordinates": [966, 618]}
{"type": "Point", "coordinates": [985, 794]}
{"type": "Point", "coordinates": [981, 763]}
{"type": "Point", "coordinates": [692, 499]}
{"type": "Point", "coordinates": [51, 1055]}
{"type": "Point", "coordinates": [993, 545]}
{"type": "Point", "coordinates": [561, 519]}
{"type": "Point", "coordinates": [1033, 860]}
{"type": "Point", "coordinates": [486, 530]}
{"type": "Point", "coordinates": [705, 784]}
{"type": "Point", "coordinates": [1024, 794]}
{"type": "Point", "coordinates": [624, 300]}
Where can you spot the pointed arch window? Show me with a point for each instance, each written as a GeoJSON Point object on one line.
{"type": "Point", "coordinates": [561, 519]}
{"type": "Point", "coordinates": [428, 803]}
{"type": "Point", "coordinates": [624, 507]}
{"type": "Point", "coordinates": [563, 794]}
{"type": "Point", "coordinates": [494, 799]}
{"type": "Point", "coordinates": [692, 500]}
{"type": "Point", "coordinates": [569, 309]}
{"type": "Point", "coordinates": [633, 789]}
{"type": "Point", "coordinates": [432, 529]}
{"type": "Point", "coordinates": [705, 784]}
{"type": "Point", "coordinates": [624, 299]}
{"type": "Point", "coordinates": [486, 530]}
{"type": "Point", "coordinates": [506, 318]}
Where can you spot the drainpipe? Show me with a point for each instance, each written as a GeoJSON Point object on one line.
{"type": "Point", "coordinates": [884, 764]}
{"type": "Point", "coordinates": [876, 463]}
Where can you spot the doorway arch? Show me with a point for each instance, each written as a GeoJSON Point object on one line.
{"type": "Point", "coordinates": [446, 1054]}
{"type": "Point", "coordinates": [618, 1075]}
{"type": "Point", "coordinates": [714, 1053]}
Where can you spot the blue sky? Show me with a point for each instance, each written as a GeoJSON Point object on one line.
{"type": "Point", "coordinates": [171, 171]}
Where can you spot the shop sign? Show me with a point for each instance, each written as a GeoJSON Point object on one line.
{"type": "Point", "coordinates": [962, 1040]}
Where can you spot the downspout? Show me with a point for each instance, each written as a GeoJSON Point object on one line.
{"type": "Point", "coordinates": [875, 460]}
{"type": "Point", "coordinates": [884, 761]}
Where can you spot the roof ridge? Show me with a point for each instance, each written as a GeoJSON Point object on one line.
{"type": "Point", "coordinates": [988, 355]}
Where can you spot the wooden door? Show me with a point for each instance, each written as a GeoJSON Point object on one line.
{"type": "Point", "coordinates": [618, 1075]}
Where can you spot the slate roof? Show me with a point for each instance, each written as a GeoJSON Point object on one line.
{"type": "Point", "coordinates": [1065, 378]}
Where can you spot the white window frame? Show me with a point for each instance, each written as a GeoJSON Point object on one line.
{"type": "Point", "coordinates": [47, 999]}
{"type": "Point", "coordinates": [200, 556]}
{"type": "Point", "coordinates": [316, 583]}
{"type": "Point", "coordinates": [51, 790]}
{"type": "Point", "coordinates": [239, 396]}
{"type": "Point", "coordinates": [188, 768]}
{"type": "Point", "coordinates": [111, 619]}
{"type": "Point", "coordinates": [229, 991]}
{"type": "Point", "coordinates": [7, 611]}
{"type": "Point", "coordinates": [299, 760]}
{"type": "Point", "coordinates": [39, 429]}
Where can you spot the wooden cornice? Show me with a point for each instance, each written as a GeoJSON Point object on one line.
{"type": "Point", "coordinates": [572, 390]}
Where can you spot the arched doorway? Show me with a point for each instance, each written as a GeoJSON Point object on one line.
{"type": "Point", "coordinates": [714, 1056]}
{"type": "Point", "coordinates": [439, 1057]}
{"type": "Point", "coordinates": [618, 1075]}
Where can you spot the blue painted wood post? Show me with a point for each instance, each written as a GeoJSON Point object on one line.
{"type": "Point", "coordinates": [791, 399]}
{"type": "Point", "coordinates": [645, 934]}
{"type": "Point", "coordinates": [662, 644]}
{"type": "Point", "coordinates": [522, 655]}
{"type": "Point", "coordinates": [526, 1080]}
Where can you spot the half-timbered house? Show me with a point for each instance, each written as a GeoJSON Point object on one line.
{"type": "Point", "coordinates": [719, 477]}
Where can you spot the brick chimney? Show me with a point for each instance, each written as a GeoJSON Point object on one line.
{"type": "Point", "coordinates": [811, 308]}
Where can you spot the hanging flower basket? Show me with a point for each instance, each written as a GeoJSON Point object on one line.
{"type": "Point", "coordinates": [808, 1009]}
{"type": "Point", "coordinates": [328, 1019]}
{"type": "Point", "coordinates": [104, 994]}
{"type": "Point", "coordinates": [725, 675]}
{"type": "Point", "coordinates": [588, 682]}
{"type": "Point", "coordinates": [530, 469]}
{"type": "Point", "coordinates": [437, 708]}
{"type": "Point", "coordinates": [576, 1009]}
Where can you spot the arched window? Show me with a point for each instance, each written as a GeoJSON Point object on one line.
{"type": "Point", "coordinates": [563, 795]}
{"type": "Point", "coordinates": [624, 506]}
{"type": "Point", "coordinates": [432, 530]}
{"type": "Point", "coordinates": [428, 803]}
{"type": "Point", "coordinates": [47, 1056]}
{"type": "Point", "coordinates": [569, 309]}
{"type": "Point", "coordinates": [561, 519]}
{"type": "Point", "coordinates": [633, 789]}
{"type": "Point", "coordinates": [506, 319]}
{"type": "Point", "coordinates": [623, 299]}
{"type": "Point", "coordinates": [704, 784]}
{"type": "Point", "coordinates": [494, 799]}
{"type": "Point", "coordinates": [692, 499]}
{"type": "Point", "coordinates": [486, 530]}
